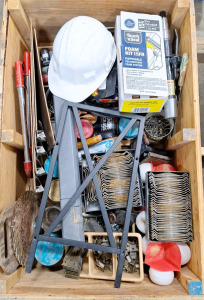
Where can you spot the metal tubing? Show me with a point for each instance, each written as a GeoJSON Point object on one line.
{"type": "Point", "coordinates": [27, 84]}
{"type": "Point", "coordinates": [23, 122]}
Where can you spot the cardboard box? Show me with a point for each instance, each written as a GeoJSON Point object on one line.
{"type": "Point", "coordinates": [142, 79]}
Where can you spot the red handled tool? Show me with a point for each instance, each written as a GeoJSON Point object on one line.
{"type": "Point", "coordinates": [27, 84]}
{"type": "Point", "coordinates": [21, 95]}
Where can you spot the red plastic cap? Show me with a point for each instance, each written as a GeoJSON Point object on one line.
{"type": "Point", "coordinates": [26, 58]}
{"type": "Point", "coordinates": [163, 256]}
{"type": "Point", "coordinates": [28, 169]}
{"type": "Point", "coordinates": [19, 73]}
{"type": "Point", "coordinates": [87, 129]}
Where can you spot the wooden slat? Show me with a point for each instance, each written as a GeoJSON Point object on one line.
{"type": "Point", "coordinates": [189, 156]}
{"type": "Point", "coordinates": [22, 22]}
{"type": "Point", "coordinates": [190, 282]}
{"type": "Point", "coordinates": [181, 138]}
{"type": "Point", "coordinates": [179, 12]}
{"type": "Point", "coordinates": [9, 281]}
{"type": "Point", "coordinates": [48, 16]}
{"type": "Point", "coordinates": [12, 138]}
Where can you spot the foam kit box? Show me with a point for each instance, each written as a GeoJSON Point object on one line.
{"type": "Point", "coordinates": [142, 78]}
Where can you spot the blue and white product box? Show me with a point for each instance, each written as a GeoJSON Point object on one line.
{"type": "Point", "coordinates": [142, 77]}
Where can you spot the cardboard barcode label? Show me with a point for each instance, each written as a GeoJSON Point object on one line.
{"type": "Point", "coordinates": [171, 87]}
{"type": "Point", "coordinates": [140, 110]}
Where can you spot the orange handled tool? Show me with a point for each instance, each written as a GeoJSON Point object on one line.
{"type": "Point", "coordinates": [27, 85]}
{"type": "Point", "coordinates": [21, 96]}
{"type": "Point", "coordinates": [92, 141]}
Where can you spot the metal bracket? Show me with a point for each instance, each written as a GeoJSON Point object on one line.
{"type": "Point", "coordinates": [92, 176]}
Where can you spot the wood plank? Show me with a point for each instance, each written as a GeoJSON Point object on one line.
{"type": "Point", "coordinates": [22, 22]}
{"type": "Point", "coordinates": [190, 282]}
{"type": "Point", "coordinates": [12, 138]}
{"type": "Point", "coordinates": [40, 283]}
{"type": "Point", "coordinates": [189, 156]}
{"type": "Point", "coordinates": [181, 138]}
{"type": "Point", "coordinates": [3, 38]}
{"type": "Point", "coordinates": [51, 15]}
{"type": "Point", "coordinates": [9, 281]}
{"type": "Point", "coordinates": [179, 12]}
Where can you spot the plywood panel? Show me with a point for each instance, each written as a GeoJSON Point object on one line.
{"type": "Point", "coordinates": [48, 16]}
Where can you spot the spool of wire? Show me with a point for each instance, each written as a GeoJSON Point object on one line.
{"type": "Point", "coordinates": [157, 127]}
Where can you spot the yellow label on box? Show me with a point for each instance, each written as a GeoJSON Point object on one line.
{"type": "Point", "coordinates": [142, 106]}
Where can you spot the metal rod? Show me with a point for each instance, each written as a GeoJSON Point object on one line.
{"type": "Point", "coordinates": [129, 205]}
{"type": "Point", "coordinates": [105, 111]}
{"type": "Point", "coordinates": [80, 244]}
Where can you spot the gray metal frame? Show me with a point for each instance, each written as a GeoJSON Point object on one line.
{"type": "Point", "coordinates": [92, 176]}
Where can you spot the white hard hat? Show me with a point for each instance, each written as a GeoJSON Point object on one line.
{"type": "Point", "coordinates": [83, 54]}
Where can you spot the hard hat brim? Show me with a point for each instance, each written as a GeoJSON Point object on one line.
{"type": "Point", "coordinates": [72, 92]}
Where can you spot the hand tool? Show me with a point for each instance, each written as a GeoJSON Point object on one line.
{"type": "Point", "coordinates": [170, 107]}
{"type": "Point", "coordinates": [27, 85]}
{"type": "Point", "coordinates": [20, 88]}
{"type": "Point", "coordinates": [183, 67]}
{"type": "Point", "coordinates": [91, 141]}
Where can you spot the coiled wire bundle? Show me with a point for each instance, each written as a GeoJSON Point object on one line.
{"type": "Point", "coordinates": [168, 207]}
{"type": "Point", "coordinates": [114, 180]}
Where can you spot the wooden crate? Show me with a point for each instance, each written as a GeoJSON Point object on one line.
{"type": "Point", "coordinates": [47, 17]}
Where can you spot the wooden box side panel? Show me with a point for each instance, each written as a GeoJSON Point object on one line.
{"type": "Point", "coordinates": [188, 158]}
{"type": "Point", "coordinates": [48, 16]}
{"type": "Point", "coordinates": [12, 178]}
{"type": "Point", "coordinates": [15, 48]}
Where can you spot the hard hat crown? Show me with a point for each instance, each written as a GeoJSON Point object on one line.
{"type": "Point", "coordinates": [83, 54]}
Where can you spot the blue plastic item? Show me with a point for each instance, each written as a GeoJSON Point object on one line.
{"type": "Point", "coordinates": [47, 165]}
{"type": "Point", "coordinates": [133, 132]}
{"type": "Point", "coordinates": [48, 254]}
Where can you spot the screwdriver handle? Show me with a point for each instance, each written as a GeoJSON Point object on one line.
{"type": "Point", "coordinates": [26, 58]}
{"type": "Point", "coordinates": [19, 73]}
